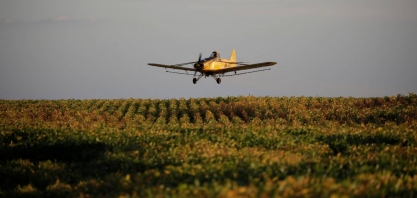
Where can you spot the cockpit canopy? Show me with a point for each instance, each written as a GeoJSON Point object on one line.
{"type": "Point", "coordinates": [214, 55]}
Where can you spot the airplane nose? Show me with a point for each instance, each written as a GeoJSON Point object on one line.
{"type": "Point", "coordinates": [198, 65]}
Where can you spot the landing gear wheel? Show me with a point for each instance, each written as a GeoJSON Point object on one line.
{"type": "Point", "coordinates": [195, 80]}
{"type": "Point", "coordinates": [219, 81]}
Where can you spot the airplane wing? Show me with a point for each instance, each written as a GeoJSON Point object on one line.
{"type": "Point", "coordinates": [244, 67]}
{"type": "Point", "coordinates": [172, 66]}
{"type": "Point", "coordinates": [231, 62]}
{"type": "Point", "coordinates": [181, 64]}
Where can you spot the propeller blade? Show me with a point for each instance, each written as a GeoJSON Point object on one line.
{"type": "Point", "coordinates": [199, 58]}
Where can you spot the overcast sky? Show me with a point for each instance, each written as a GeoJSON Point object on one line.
{"type": "Point", "coordinates": [82, 49]}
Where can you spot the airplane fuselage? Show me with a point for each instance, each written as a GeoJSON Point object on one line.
{"type": "Point", "coordinates": [212, 65]}
{"type": "Point", "coordinates": [214, 62]}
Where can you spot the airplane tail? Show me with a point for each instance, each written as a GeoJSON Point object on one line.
{"type": "Point", "coordinates": [233, 57]}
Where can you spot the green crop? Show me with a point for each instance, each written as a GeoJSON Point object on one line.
{"type": "Point", "coordinates": [209, 147]}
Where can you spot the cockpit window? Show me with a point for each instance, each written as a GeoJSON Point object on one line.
{"type": "Point", "coordinates": [214, 54]}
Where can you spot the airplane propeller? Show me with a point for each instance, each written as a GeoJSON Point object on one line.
{"type": "Point", "coordinates": [199, 58]}
{"type": "Point", "coordinates": [198, 65]}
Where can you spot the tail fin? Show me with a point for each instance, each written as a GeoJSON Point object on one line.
{"type": "Point", "coordinates": [233, 57]}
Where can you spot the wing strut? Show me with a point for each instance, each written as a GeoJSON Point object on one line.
{"type": "Point", "coordinates": [236, 74]}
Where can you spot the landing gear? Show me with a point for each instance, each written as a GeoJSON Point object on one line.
{"type": "Point", "coordinates": [195, 79]}
{"type": "Point", "coordinates": [218, 80]}
{"type": "Point", "coordinates": [198, 78]}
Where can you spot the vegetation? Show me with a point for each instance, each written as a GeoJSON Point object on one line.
{"type": "Point", "coordinates": [209, 147]}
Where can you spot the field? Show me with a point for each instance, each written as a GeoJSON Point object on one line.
{"type": "Point", "coordinates": [210, 147]}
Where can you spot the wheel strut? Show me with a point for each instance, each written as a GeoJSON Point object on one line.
{"type": "Point", "coordinates": [218, 80]}
{"type": "Point", "coordinates": [198, 78]}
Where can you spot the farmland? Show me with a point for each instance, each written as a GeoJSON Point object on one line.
{"type": "Point", "coordinates": [209, 147]}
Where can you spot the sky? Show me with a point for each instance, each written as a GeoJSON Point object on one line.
{"type": "Point", "coordinates": [85, 49]}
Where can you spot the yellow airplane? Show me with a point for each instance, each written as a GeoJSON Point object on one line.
{"type": "Point", "coordinates": [215, 66]}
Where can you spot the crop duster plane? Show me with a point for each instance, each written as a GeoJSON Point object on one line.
{"type": "Point", "coordinates": [214, 66]}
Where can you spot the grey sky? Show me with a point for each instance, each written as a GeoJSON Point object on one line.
{"type": "Point", "coordinates": [84, 49]}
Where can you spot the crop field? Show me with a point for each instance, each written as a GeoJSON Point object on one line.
{"type": "Point", "coordinates": [210, 147]}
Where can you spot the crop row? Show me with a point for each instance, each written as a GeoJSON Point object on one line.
{"type": "Point", "coordinates": [209, 147]}
{"type": "Point", "coordinates": [320, 160]}
{"type": "Point", "coordinates": [230, 110]}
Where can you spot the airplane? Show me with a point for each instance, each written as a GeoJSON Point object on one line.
{"type": "Point", "coordinates": [214, 66]}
